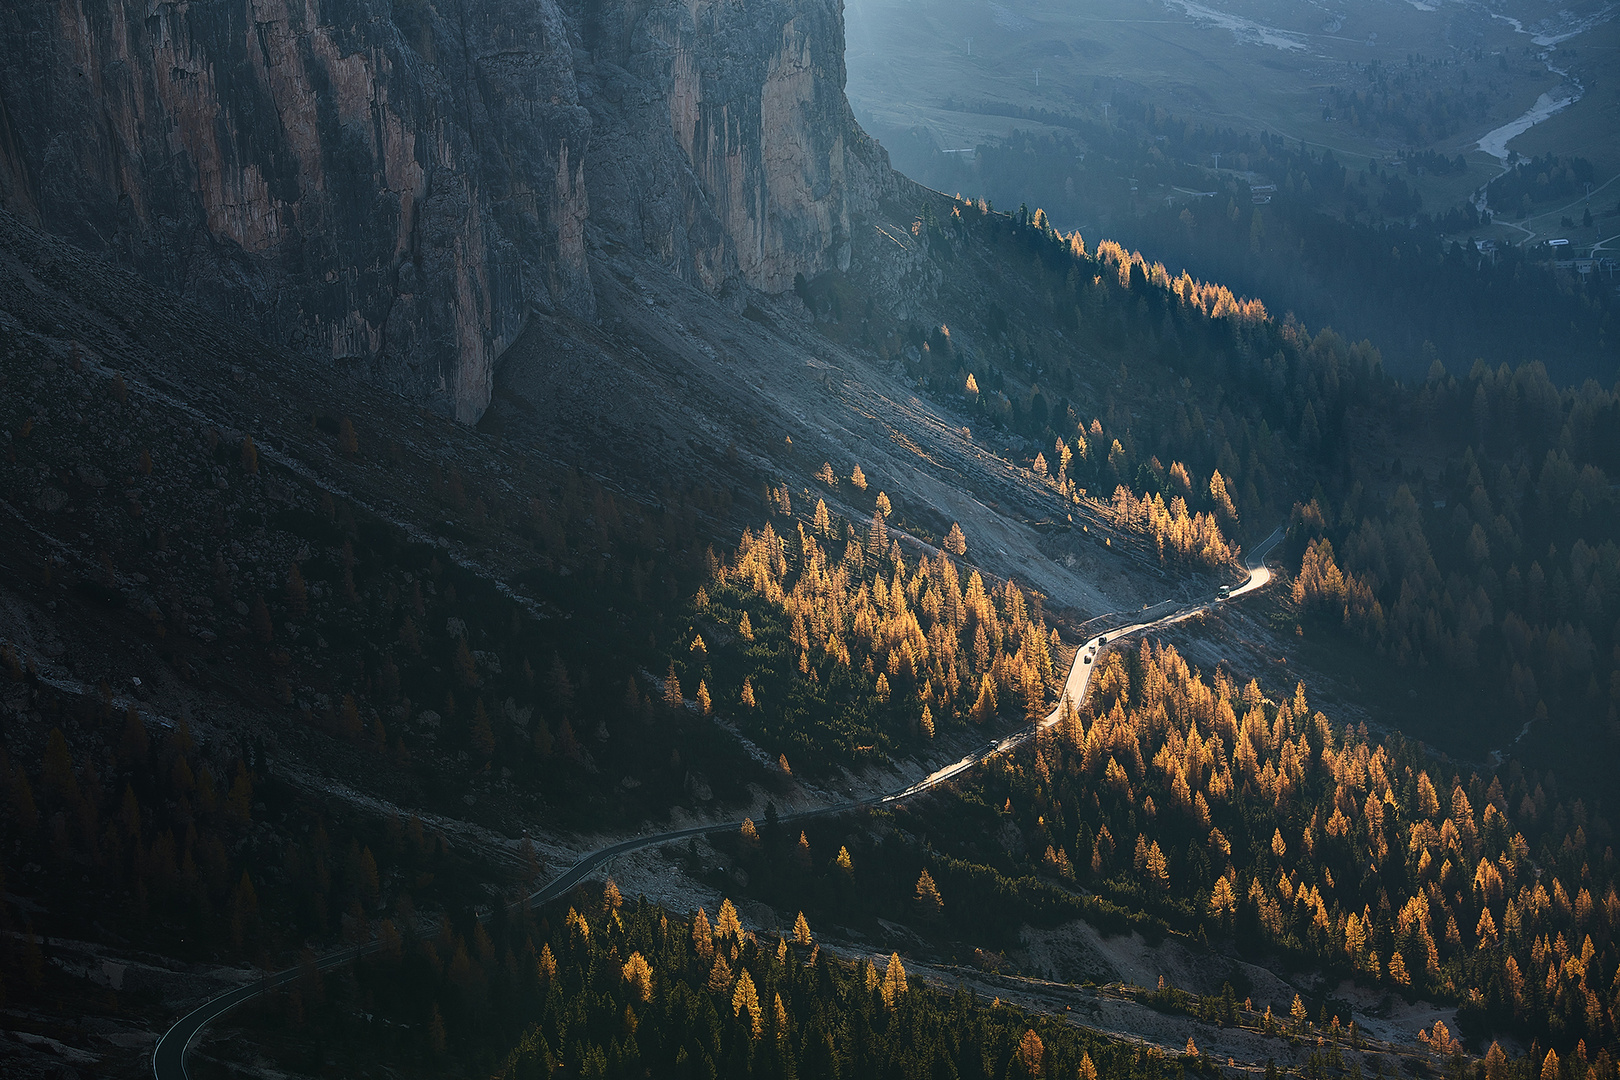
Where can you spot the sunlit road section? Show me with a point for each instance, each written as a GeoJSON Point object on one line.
{"type": "Point", "coordinates": [1085, 659]}
{"type": "Point", "coordinates": [169, 1057]}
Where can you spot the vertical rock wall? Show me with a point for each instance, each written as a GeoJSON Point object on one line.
{"type": "Point", "coordinates": [396, 184]}
{"type": "Point", "coordinates": [751, 163]}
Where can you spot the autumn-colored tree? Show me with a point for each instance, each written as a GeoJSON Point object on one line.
{"type": "Point", "coordinates": [746, 998]}
{"type": "Point", "coordinates": [1031, 1052]}
{"type": "Point", "coordinates": [727, 927]}
{"type": "Point", "coordinates": [984, 706]}
{"type": "Point", "coordinates": [1222, 500]}
{"type": "Point", "coordinates": [928, 898]}
{"type": "Point", "coordinates": [894, 983]}
{"type": "Point", "coordinates": [955, 542]}
{"type": "Point", "coordinates": [720, 977]}
{"type": "Point", "coordinates": [640, 977]}
{"type": "Point", "coordinates": [702, 935]}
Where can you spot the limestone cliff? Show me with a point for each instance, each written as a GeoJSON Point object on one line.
{"type": "Point", "coordinates": [397, 185]}
{"type": "Point", "coordinates": [723, 141]}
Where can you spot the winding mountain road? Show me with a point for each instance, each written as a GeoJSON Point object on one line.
{"type": "Point", "coordinates": [169, 1057]}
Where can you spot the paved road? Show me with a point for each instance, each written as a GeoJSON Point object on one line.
{"type": "Point", "coordinates": [168, 1059]}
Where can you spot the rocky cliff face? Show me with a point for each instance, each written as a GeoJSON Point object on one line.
{"type": "Point", "coordinates": [397, 185]}
{"type": "Point", "coordinates": [723, 141]}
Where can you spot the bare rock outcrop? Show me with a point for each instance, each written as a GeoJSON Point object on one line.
{"type": "Point", "coordinates": [723, 141]}
{"type": "Point", "coordinates": [399, 185]}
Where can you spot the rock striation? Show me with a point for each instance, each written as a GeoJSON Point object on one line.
{"type": "Point", "coordinates": [722, 140]}
{"type": "Point", "coordinates": [399, 185]}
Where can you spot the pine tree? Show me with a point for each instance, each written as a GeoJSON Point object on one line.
{"type": "Point", "coordinates": [1222, 500]}
{"type": "Point", "coordinates": [719, 975]}
{"type": "Point", "coordinates": [955, 542]}
{"type": "Point", "coordinates": [726, 925]}
{"type": "Point", "coordinates": [672, 689]}
{"type": "Point", "coordinates": [546, 965]}
{"type": "Point", "coordinates": [857, 478]}
{"type": "Point", "coordinates": [894, 981]}
{"type": "Point", "coordinates": [702, 935]}
{"type": "Point", "coordinates": [1031, 1051]}
{"type": "Point", "coordinates": [984, 706]}
{"type": "Point", "coordinates": [745, 997]}
{"type": "Point", "coordinates": [822, 520]}
{"type": "Point", "coordinates": [928, 897]}
{"type": "Point", "coordinates": [877, 537]}
{"type": "Point", "coordinates": [801, 931]}
{"type": "Point", "coordinates": [639, 975]}
{"type": "Point", "coordinates": [1222, 901]}
{"type": "Point", "coordinates": [1157, 868]}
